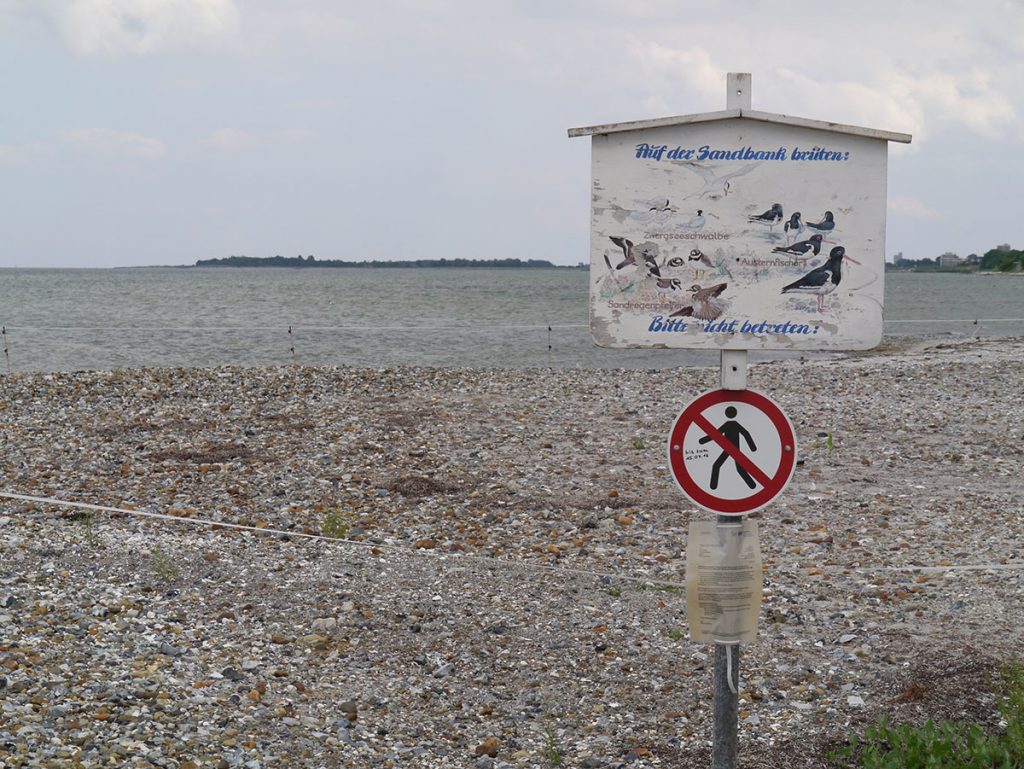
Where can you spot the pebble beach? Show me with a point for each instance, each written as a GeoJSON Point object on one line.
{"type": "Point", "coordinates": [439, 567]}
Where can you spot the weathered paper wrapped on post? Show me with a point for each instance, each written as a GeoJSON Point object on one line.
{"type": "Point", "coordinates": [723, 582]}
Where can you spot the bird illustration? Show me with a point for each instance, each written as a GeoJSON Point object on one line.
{"type": "Point", "coordinates": [696, 255]}
{"type": "Point", "coordinates": [794, 228]}
{"type": "Point", "coordinates": [705, 303]}
{"type": "Point", "coordinates": [827, 223]}
{"type": "Point", "coordinates": [667, 286]}
{"type": "Point", "coordinates": [654, 210]}
{"type": "Point", "coordinates": [715, 186]}
{"type": "Point", "coordinates": [801, 247]}
{"type": "Point", "coordinates": [646, 251]}
{"type": "Point", "coordinates": [771, 217]}
{"type": "Point", "coordinates": [675, 261]}
{"type": "Point", "coordinates": [822, 280]}
{"type": "Point", "coordinates": [695, 223]}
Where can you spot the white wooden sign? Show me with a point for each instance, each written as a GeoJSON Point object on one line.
{"type": "Point", "coordinates": [737, 233]}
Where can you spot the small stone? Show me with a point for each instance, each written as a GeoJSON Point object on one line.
{"type": "Point", "coordinates": [855, 701]}
{"type": "Point", "coordinates": [314, 640]}
{"type": "Point", "coordinates": [350, 709]}
{"type": "Point", "coordinates": [324, 625]}
{"type": "Point", "coordinates": [488, 747]}
{"type": "Point", "coordinates": [231, 674]}
{"type": "Point", "coordinates": [426, 544]}
{"type": "Point", "coordinates": [444, 671]}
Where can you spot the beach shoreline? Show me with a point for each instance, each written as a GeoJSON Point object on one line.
{"type": "Point", "coordinates": [512, 565]}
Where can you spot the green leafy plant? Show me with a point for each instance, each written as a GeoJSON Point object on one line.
{"type": "Point", "coordinates": [85, 521]}
{"type": "Point", "coordinates": [551, 751]}
{"type": "Point", "coordinates": [675, 633]}
{"type": "Point", "coordinates": [945, 745]}
{"type": "Point", "coordinates": [615, 591]}
{"type": "Point", "coordinates": [163, 566]}
{"type": "Point", "coordinates": [1011, 707]}
{"type": "Point", "coordinates": [638, 444]}
{"type": "Point", "coordinates": [336, 523]}
{"type": "Point", "coordinates": [829, 444]}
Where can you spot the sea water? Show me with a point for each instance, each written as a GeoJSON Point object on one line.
{"type": "Point", "coordinates": [479, 317]}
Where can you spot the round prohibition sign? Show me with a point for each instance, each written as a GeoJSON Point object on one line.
{"type": "Point", "coordinates": [732, 451]}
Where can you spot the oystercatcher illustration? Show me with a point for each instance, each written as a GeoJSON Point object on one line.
{"type": "Point", "coordinates": [827, 223]}
{"type": "Point", "coordinates": [705, 303]}
{"type": "Point", "coordinates": [715, 186]}
{"type": "Point", "coordinates": [794, 228]}
{"type": "Point", "coordinates": [822, 280]}
{"type": "Point", "coordinates": [771, 217]}
{"type": "Point", "coordinates": [801, 247]}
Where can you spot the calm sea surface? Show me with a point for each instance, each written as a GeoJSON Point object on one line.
{"type": "Point", "coordinates": [105, 319]}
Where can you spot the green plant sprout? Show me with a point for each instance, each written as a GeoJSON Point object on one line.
{"type": "Point", "coordinates": [336, 523]}
{"type": "Point", "coordinates": [163, 566]}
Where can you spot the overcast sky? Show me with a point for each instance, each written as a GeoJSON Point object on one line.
{"type": "Point", "coordinates": [139, 132]}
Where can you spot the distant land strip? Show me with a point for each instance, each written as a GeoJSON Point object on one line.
{"type": "Point", "coordinates": [310, 261]}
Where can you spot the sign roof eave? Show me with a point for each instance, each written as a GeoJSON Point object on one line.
{"type": "Point", "coordinates": [730, 114]}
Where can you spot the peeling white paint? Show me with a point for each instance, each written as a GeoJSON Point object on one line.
{"type": "Point", "coordinates": [680, 259]}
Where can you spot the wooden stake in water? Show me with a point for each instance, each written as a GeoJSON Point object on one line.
{"type": "Point", "coordinates": [7, 354]}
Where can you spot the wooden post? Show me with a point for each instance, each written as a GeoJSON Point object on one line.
{"type": "Point", "coordinates": [737, 90]}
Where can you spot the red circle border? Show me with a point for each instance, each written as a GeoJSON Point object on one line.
{"type": "Point", "coordinates": [688, 485]}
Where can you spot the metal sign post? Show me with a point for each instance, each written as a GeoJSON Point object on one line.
{"type": "Point", "coordinates": [725, 708]}
{"type": "Point", "coordinates": [726, 685]}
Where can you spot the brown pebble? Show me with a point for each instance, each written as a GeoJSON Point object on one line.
{"type": "Point", "coordinates": [488, 747]}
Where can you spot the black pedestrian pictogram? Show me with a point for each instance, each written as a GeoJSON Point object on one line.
{"type": "Point", "coordinates": [731, 430]}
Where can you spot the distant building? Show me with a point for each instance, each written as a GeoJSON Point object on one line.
{"type": "Point", "coordinates": [950, 260]}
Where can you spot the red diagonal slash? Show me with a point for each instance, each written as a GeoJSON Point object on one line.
{"type": "Point", "coordinates": [732, 450]}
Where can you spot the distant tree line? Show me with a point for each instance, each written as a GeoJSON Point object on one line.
{"type": "Point", "coordinates": [310, 261]}
{"type": "Point", "coordinates": [1002, 258]}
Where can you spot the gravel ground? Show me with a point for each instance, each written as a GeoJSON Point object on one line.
{"type": "Point", "coordinates": [506, 584]}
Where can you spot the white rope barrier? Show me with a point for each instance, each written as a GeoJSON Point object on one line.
{"type": "Point", "coordinates": [958, 320]}
{"type": "Point", "coordinates": [296, 329]}
{"type": "Point", "coordinates": [339, 541]}
{"type": "Point", "coordinates": [425, 328]}
{"type": "Point", "coordinates": [488, 561]}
